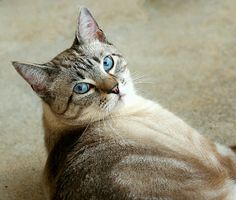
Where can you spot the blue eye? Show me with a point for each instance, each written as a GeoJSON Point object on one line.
{"type": "Point", "coordinates": [108, 63]}
{"type": "Point", "coordinates": [81, 88]}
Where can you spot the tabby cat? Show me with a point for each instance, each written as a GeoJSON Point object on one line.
{"type": "Point", "coordinates": [105, 142]}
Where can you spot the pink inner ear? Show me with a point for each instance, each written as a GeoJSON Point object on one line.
{"type": "Point", "coordinates": [38, 88]}
{"type": "Point", "coordinates": [38, 84]}
{"type": "Point", "coordinates": [35, 78]}
{"type": "Point", "coordinates": [91, 24]}
{"type": "Point", "coordinates": [92, 27]}
{"type": "Point", "coordinates": [88, 28]}
{"type": "Point", "coordinates": [100, 35]}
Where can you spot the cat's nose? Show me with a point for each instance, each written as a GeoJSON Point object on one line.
{"type": "Point", "coordinates": [109, 85]}
{"type": "Point", "coordinates": [114, 90]}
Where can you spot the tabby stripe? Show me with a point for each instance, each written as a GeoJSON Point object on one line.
{"type": "Point", "coordinates": [67, 105]}
{"type": "Point", "coordinates": [116, 54]}
{"type": "Point", "coordinates": [85, 63]}
{"type": "Point", "coordinates": [69, 101]}
{"type": "Point", "coordinates": [79, 67]}
{"type": "Point", "coordinates": [89, 62]}
{"type": "Point", "coordinates": [96, 59]}
{"type": "Point", "coordinates": [80, 75]}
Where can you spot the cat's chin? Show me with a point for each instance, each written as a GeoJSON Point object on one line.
{"type": "Point", "coordinates": [122, 101]}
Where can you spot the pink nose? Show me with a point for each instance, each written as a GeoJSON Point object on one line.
{"type": "Point", "coordinates": [115, 89]}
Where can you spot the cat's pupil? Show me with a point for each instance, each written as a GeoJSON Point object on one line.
{"type": "Point", "coordinates": [81, 88]}
{"type": "Point", "coordinates": [108, 63]}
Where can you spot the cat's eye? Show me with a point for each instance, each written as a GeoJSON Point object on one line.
{"type": "Point", "coordinates": [108, 63]}
{"type": "Point", "coordinates": [82, 88]}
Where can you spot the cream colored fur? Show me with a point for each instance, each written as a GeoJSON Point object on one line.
{"type": "Point", "coordinates": [146, 122]}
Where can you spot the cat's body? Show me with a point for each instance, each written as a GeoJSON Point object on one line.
{"type": "Point", "coordinates": [145, 152]}
{"type": "Point", "coordinates": [106, 142]}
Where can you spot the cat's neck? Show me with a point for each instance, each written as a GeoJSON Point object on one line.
{"type": "Point", "coordinates": [56, 127]}
{"type": "Point", "coordinates": [135, 105]}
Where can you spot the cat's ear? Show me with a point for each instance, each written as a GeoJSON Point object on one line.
{"type": "Point", "coordinates": [38, 76]}
{"type": "Point", "coordinates": [88, 29]}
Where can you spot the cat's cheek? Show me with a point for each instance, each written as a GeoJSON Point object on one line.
{"type": "Point", "coordinates": [126, 90]}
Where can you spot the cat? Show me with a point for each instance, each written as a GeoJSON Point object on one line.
{"type": "Point", "coordinates": [104, 141]}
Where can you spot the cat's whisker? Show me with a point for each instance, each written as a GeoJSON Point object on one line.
{"type": "Point", "coordinates": [143, 80]}
{"type": "Point", "coordinates": [151, 80]}
{"type": "Point", "coordinates": [136, 83]}
{"type": "Point", "coordinates": [136, 75]}
{"type": "Point", "coordinates": [90, 122]}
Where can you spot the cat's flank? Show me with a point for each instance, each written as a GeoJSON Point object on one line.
{"type": "Point", "coordinates": [105, 142]}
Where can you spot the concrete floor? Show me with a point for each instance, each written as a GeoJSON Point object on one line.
{"type": "Point", "coordinates": [185, 49]}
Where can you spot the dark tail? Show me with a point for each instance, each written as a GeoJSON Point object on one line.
{"type": "Point", "coordinates": [233, 148]}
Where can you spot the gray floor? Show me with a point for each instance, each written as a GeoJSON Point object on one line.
{"type": "Point", "coordinates": [185, 49]}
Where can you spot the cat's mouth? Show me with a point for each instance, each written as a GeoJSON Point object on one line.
{"type": "Point", "coordinates": [121, 97]}
{"type": "Point", "coordinates": [115, 102]}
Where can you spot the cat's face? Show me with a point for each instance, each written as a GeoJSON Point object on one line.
{"type": "Point", "coordinates": [88, 80]}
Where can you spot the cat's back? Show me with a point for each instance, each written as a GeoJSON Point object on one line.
{"type": "Point", "coordinates": [97, 165]}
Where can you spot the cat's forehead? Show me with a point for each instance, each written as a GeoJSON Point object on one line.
{"type": "Point", "coordinates": [94, 50]}
{"type": "Point", "coordinates": [97, 49]}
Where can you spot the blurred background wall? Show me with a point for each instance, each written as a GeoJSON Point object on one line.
{"type": "Point", "coordinates": [184, 49]}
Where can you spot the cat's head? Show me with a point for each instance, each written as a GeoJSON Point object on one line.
{"type": "Point", "coordinates": [88, 79]}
